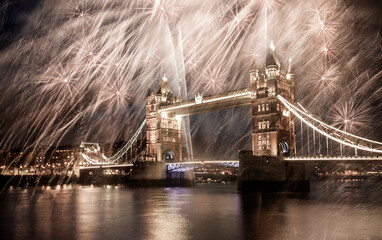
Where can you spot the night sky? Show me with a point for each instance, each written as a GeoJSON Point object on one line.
{"type": "Point", "coordinates": [44, 40]}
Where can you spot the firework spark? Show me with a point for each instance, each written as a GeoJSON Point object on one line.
{"type": "Point", "coordinates": [59, 83]}
{"type": "Point", "coordinates": [350, 117]}
{"type": "Point", "coordinates": [214, 79]}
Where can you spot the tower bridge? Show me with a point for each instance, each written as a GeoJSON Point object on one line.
{"type": "Point", "coordinates": [271, 95]}
{"type": "Point", "coordinates": [273, 129]}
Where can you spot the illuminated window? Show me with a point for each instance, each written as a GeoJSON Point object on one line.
{"type": "Point", "coordinates": [267, 107]}
{"type": "Point", "coordinates": [259, 108]}
{"type": "Point", "coordinates": [263, 106]}
{"type": "Point", "coordinates": [152, 138]}
{"type": "Point", "coordinates": [259, 125]}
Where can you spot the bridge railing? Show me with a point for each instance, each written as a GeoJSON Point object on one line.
{"type": "Point", "coordinates": [218, 97]}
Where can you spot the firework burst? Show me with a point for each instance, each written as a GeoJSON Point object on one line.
{"type": "Point", "coordinates": [328, 81]}
{"type": "Point", "coordinates": [161, 11]}
{"type": "Point", "coordinates": [214, 79]}
{"type": "Point", "coordinates": [81, 9]}
{"type": "Point", "coordinates": [58, 82]}
{"type": "Point", "coordinates": [351, 117]}
{"type": "Point", "coordinates": [116, 95]}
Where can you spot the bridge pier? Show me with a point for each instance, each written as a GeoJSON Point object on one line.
{"type": "Point", "coordinates": [139, 174]}
{"type": "Point", "coordinates": [270, 174]}
{"type": "Point", "coordinates": [156, 174]}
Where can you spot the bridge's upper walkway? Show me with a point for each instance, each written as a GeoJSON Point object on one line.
{"type": "Point", "coordinates": [202, 104]}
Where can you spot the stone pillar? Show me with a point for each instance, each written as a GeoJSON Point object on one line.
{"type": "Point", "coordinates": [270, 174]}
{"type": "Point", "coordinates": [170, 138]}
{"type": "Point", "coordinates": [153, 119]}
{"type": "Point", "coordinates": [274, 144]}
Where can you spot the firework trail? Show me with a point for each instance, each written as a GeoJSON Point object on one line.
{"type": "Point", "coordinates": [81, 69]}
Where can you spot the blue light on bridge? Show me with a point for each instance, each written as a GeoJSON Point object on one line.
{"type": "Point", "coordinates": [284, 147]}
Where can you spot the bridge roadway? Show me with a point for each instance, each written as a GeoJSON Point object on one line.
{"type": "Point", "coordinates": [343, 159]}
{"type": "Point", "coordinates": [101, 166]}
{"type": "Point", "coordinates": [235, 162]}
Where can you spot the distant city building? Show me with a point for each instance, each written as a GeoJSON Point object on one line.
{"type": "Point", "coordinates": [41, 160]}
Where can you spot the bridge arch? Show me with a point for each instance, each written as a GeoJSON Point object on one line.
{"type": "Point", "coordinates": [168, 156]}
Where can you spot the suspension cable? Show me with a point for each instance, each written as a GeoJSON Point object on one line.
{"type": "Point", "coordinates": [347, 143]}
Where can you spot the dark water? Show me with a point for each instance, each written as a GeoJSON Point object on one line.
{"type": "Point", "coordinates": [347, 210]}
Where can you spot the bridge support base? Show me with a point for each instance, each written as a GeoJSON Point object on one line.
{"type": "Point", "coordinates": [270, 174]}
{"type": "Point", "coordinates": [155, 174]}
{"type": "Point", "coordinates": [141, 174]}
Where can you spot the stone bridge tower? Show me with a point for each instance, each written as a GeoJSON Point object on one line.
{"type": "Point", "coordinates": [273, 129]}
{"type": "Point", "coordinates": [164, 137]}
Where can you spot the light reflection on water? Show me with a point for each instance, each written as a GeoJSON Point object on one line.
{"type": "Point", "coordinates": [331, 211]}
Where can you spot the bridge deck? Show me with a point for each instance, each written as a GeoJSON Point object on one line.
{"type": "Point", "coordinates": [344, 158]}
{"type": "Point", "coordinates": [235, 162]}
{"type": "Point", "coordinates": [107, 166]}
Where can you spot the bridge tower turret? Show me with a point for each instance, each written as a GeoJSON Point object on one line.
{"type": "Point", "coordinates": [254, 76]}
{"type": "Point", "coordinates": [164, 142]}
{"type": "Point", "coordinates": [273, 129]}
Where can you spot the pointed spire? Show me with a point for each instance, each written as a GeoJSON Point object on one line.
{"type": "Point", "coordinates": [290, 69]}
{"type": "Point", "coordinates": [164, 87]}
{"type": "Point", "coordinates": [164, 79]}
{"type": "Point", "coordinates": [179, 98]}
{"type": "Point", "coordinates": [272, 46]}
{"type": "Point", "coordinates": [290, 73]}
{"type": "Point", "coordinates": [254, 71]}
{"type": "Point", "coordinates": [272, 59]}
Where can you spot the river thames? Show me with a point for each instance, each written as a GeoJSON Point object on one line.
{"type": "Point", "coordinates": [332, 210]}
